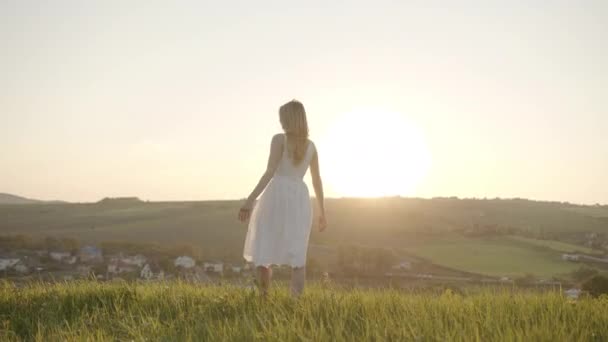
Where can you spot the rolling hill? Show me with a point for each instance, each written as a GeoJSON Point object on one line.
{"type": "Point", "coordinates": [17, 200]}
{"type": "Point", "coordinates": [471, 235]}
{"type": "Point", "coordinates": [14, 199]}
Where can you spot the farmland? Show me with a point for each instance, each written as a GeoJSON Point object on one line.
{"type": "Point", "coordinates": [493, 237]}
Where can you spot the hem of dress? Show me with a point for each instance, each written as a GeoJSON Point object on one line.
{"type": "Point", "coordinates": [268, 264]}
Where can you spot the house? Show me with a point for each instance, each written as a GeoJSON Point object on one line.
{"type": "Point", "coordinates": [120, 200]}
{"type": "Point", "coordinates": [572, 293]}
{"type": "Point", "coordinates": [71, 260]}
{"type": "Point", "coordinates": [135, 260]}
{"type": "Point", "coordinates": [198, 275]}
{"type": "Point", "coordinates": [21, 267]}
{"type": "Point", "coordinates": [116, 266]}
{"type": "Point", "coordinates": [403, 266]}
{"type": "Point", "coordinates": [591, 236]}
{"type": "Point", "coordinates": [15, 264]}
{"type": "Point", "coordinates": [184, 262]}
{"type": "Point", "coordinates": [570, 257]}
{"type": "Point", "coordinates": [211, 266]}
{"type": "Point", "coordinates": [7, 263]}
{"type": "Point", "coordinates": [236, 269]}
{"type": "Point", "coordinates": [146, 272]}
{"type": "Point", "coordinates": [90, 254]}
{"type": "Point", "coordinates": [84, 270]}
{"type": "Point", "coordinates": [59, 256]}
{"type": "Point", "coordinates": [151, 271]}
{"type": "Point", "coordinates": [112, 267]}
{"type": "Point", "coordinates": [41, 252]}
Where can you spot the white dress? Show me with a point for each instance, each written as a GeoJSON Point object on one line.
{"type": "Point", "coordinates": [280, 224]}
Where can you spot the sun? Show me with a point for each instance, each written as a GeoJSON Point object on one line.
{"type": "Point", "coordinates": [373, 153]}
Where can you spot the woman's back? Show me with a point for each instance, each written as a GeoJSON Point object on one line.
{"type": "Point", "coordinates": [287, 167]}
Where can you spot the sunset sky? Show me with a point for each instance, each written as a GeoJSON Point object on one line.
{"type": "Point", "coordinates": [178, 100]}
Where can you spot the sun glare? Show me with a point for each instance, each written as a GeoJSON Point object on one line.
{"type": "Point", "coordinates": [373, 153]}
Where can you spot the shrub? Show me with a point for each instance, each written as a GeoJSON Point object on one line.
{"type": "Point", "coordinates": [526, 280]}
{"type": "Point", "coordinates": [583, 273]}
{"type": "Point", "coordinates": [596, 286]}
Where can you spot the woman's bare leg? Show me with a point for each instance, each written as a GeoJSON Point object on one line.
{"type": "Point", "coordinates": [298, 277]}
{"type": "Point", "coordinates": [264, 276]}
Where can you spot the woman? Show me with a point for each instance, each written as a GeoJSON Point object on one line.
{"type": "Point", "coordinates": [280, 223]}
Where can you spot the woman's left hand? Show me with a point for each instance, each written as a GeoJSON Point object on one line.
{"type": "Point", "coordinates": [245, 212]}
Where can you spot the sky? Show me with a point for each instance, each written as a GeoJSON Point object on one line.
{"type": "Point", "coordinates": [178, 100]}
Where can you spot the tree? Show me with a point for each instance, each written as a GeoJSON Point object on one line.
{"type": "Point", "coordinates": [596, 286]}
{"type": "Point", "coordinates": [70, 244]}
{"type": "Point", "coordinates": [527, 279]}
{"type": "Point", "coordinates": [52, 243]}
{"type": "Point", "coordinates": [584, 273]}
{"type": "Point", "coordinates": [384, 260]}
{"type": "Point", "coordinates": [167, 265]}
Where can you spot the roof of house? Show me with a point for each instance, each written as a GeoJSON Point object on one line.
{"type": "Point", "coordinates": [154, 267]}
{"type": "Point", "coordinates": [60, 252]}
{"type": "Point", "coordinates": [90, 249]}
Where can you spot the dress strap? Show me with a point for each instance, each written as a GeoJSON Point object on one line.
{"type": "Point", "coordinates": [310, 147]}
{"type": "Point", "coordinates": [285, 151]}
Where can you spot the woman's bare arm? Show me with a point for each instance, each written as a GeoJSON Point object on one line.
{"type": "Point", "coordinates": [276, 149]}
{"type": "Point", "coordinates": [317, 184]}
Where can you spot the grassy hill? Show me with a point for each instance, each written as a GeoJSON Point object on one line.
{"type": "Point", "coordinates": [435, 229]}
{"type": "Point", "coordinates": [493, 256]}
{"type": "Point", "coordinates": [13, 199]}
{"type": "Point", "coordinates": [594, 211]}
{"type": "Point", "coordinates": [90, 311]}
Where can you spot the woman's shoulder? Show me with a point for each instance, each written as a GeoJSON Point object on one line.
{"type": "Point", "coordinates": [312, 145]}
{"type": "Point", "coordinates": [278, 138]}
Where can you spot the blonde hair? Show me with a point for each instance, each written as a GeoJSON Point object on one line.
{"type": "Point", "coordinates": [293, 120]}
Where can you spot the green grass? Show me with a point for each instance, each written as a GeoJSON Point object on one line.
{"type": "Point", "coordinates": [493, 256]}
{"type": "Point", "coordinates": [597, 212]}
{"type": "Point", "coordinates": [88, 311]}
{"type": "Point", "coordinates": [557, 246]}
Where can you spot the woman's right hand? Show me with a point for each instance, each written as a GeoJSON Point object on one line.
{"type": "Point", "coordinates": [322, 223]}
{"type": "Point", "coordinates": [245, 211]}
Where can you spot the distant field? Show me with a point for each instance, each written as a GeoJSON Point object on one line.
{"type": "Point", "coordinates": [210, 225]}
{"type": "Point", "coordinates": [555, 245]}
{"type": "Point", "coordinates": [421, 226]}
{"type": "Point", "coordinates": [351, 220]}
{"type": "Point", "coordinates": [88, 311]}
{"type": "Point", "coordinates": [496, 256]}
{"type": "Point", "coordinates": [591, 211]}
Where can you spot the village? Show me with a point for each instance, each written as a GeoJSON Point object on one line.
{"type": "Point", "coordinates": [24, 259]}
{"type": "Point", "coordinates": [89, 262]}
